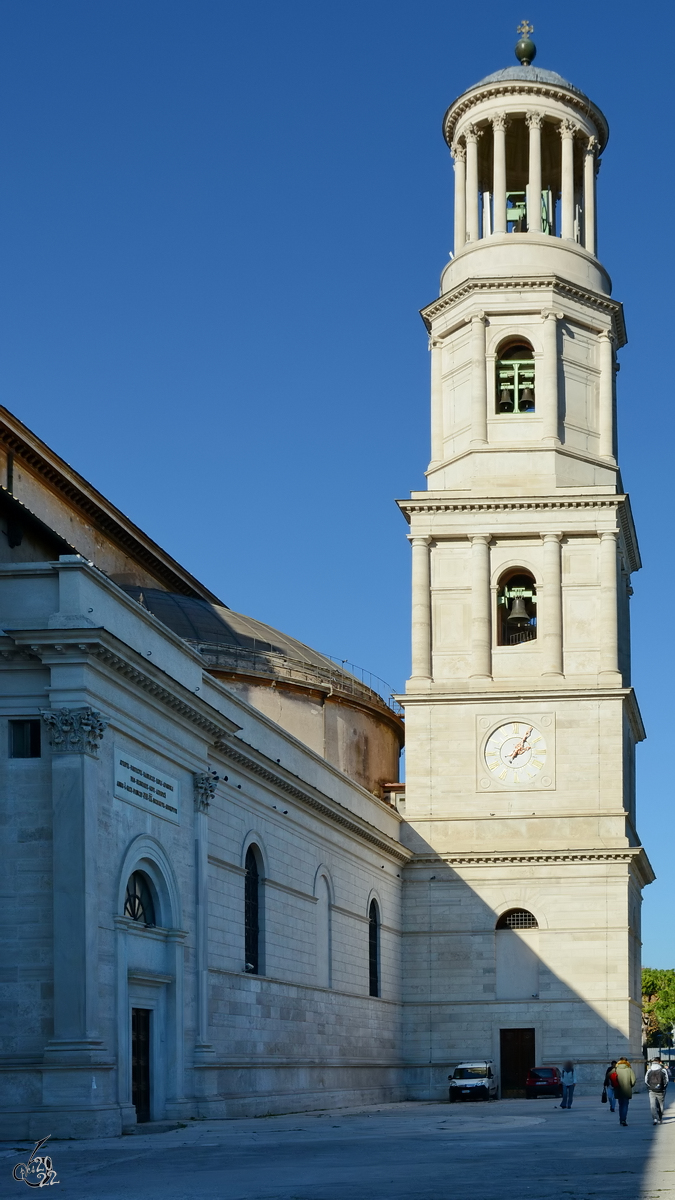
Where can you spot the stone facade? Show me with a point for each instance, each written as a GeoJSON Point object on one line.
{"type": "Point", "coordinates": [122, 699]}
{"type": "Point", "coordinates": [523, 488]}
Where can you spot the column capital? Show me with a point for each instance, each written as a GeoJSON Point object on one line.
{"type": "Point", "coordinates": [500, 121]}
{"type": "Point", "coordinates": [74, 730]}
{"type": "Point", "coordinates": [534, 120]}
{"type": "Point", "coordinates": [550, 314]}
{"type": "Point", "coordinates": [592, 146]}
{"type": "Point", "coordinates": [472, 133]}
{"type": "Point", "coordinates": [458, 152]}
{"type": "Point", "coordinates": [568, 128]}
{"type": "Point", "coordinates": [552, 537]}
{"type": "Point", "coordinates": [417, 539]}
{"type": "Point", "coordinates": [480, 538]}
{"type": "Point", "coordinates": [479, 317]}
{"type": "Point", "coordinates": [607, 334]}
{"type": "Point", "coordinates": [606, 534]}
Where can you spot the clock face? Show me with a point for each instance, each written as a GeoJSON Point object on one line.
{"type": "Point", "coordinates": [515, 753]}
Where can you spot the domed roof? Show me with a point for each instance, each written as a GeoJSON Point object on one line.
{"type": "Point", "coordinates": [197, 620]}
{"type": "Point", "coordinates": [242, 645]}
{"type": "Point", "coordinates": [527, 75]}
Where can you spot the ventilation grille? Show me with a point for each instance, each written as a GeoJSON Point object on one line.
{"type": "Point", "coordinates": [517, 918]}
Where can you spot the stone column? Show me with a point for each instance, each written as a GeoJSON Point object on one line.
{"type": "Point", "coordinates": [589, 194]}
{"type": "Point", "coordinates": [609, 625]}
{"type": "Point", "coordinates": [499, 127]}
{"type": "Point", "coordinates": [436, 352]}
{"type": "Point", "coordinates": [598, 164]}
{"type": "Point", "coordinates": [481, 624]}
{"type": "Point", "coordinates": [471, 137]}
{"type": "Point", "coordinates": [421, 608]}
{"type": "Point", "coordinates": [546, 397]}
{"type": "Point", "coordinates": [549, 629]}
{"type": "Point", "coordinates": [534, 123]}
{"type": "Point", "coordinates": [459, 154]}
{"type": "Point", "coordinates": [606, 396]}
{"type": "Point", "coordinates": [478, 381]}
{"type": "Point", "coordinates": [567, 131]}
{"type": "Point", "coordinates": [75, 735]}
{"type": "Point", "coordinates": [204, 786]}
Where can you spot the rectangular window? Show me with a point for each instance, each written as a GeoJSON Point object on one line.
{"type": "Point", "coordinates": [24, 739]}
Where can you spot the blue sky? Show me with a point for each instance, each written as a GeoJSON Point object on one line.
{"type": "Point", "coordinates": [217, 224]}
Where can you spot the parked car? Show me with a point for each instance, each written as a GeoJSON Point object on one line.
{"type": "Point", "coordinates": [473, 1081]}
{"type": "Point", "coordinates": [543, 1081]}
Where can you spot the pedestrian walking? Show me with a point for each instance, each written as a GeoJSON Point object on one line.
{"type": "Point", "coordinates": [608, 1085]}
{"type": "Point", "coordinates": [657, 1082]}
{"type": "Point", "coordinates": [623, 1088]}
{"type": "Point", "coordinates": [569, 1080]}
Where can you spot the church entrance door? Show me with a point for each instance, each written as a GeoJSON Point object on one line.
{"type": "Point", "coordinates": [140, 1062]}
{"type": "Point", "coordinates": [517, 1056]}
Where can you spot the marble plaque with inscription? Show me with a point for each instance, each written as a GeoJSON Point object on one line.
{"type": "Point", "coordinates": [146, 787]}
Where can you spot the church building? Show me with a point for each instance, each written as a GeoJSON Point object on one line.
{"type": "Point", "coordinates": [218, 899]}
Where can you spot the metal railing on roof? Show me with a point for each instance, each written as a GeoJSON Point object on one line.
{"type": "Point", "coordinates": [341, 676]}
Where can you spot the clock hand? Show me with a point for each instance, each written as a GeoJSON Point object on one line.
{"type": "Point", "coordinates": [522, 745]}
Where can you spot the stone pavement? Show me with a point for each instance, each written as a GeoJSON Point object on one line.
{"type": "Point", "coordinates": [509, 1150]}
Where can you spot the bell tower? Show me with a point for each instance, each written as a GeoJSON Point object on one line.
{"type": "Point", "coordinates": [524, 896]}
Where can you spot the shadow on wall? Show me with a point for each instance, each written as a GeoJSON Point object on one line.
{"type": "Point", "coordinates": [492, 980]}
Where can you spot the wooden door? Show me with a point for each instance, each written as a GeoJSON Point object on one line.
{"type": "Point", "coordinates": [140, 1062]}
{"type": "Point", "coordinates": [517, 1056]}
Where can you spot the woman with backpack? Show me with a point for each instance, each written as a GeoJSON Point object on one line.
{"type": "Point", "coordinates": [623, 1081]}
{"type": "Point", "coordinates": [609, 1087]}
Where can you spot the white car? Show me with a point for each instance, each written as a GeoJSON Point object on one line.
{"type": "Point", "coordinates": [473, 1081]}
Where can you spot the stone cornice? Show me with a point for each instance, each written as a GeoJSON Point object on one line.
{"type": "Point", "coordinates": [620, 502]}
{"type": "Point", "coordinates": [549, 283]}
{"type": "Point", "coordinates": [528, 694]}
{"type": "Point", "coordinates": [331, 810]}
{"type": "Point", "coordinates": [631, 855]}
{"type": "Point", "coordinates": [114, 654]}
{"type": "Point", "coordinates": [520, 87]}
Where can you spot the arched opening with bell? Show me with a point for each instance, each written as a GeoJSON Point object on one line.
{"type": "Point", "coordinates": [516, 608]}
{"type": "Point", "coordinates": [515, 379]}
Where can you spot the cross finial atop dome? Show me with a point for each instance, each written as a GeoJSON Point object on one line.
{"type": "Point", "coordinates": [525, 48]}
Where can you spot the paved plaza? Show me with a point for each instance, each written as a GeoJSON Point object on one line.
{"type": "Point", "coordinates": [509, 1150]}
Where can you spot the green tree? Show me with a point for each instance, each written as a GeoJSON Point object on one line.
{"type": "Point", "coordinates": [658, 1004]}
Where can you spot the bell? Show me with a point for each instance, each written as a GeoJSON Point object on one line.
{"type": "Point", "coordinates": [527, 400]}
{"type": "Point", "coordinates": [505, 401]}
{"type": "Point", "coordinates": [518, 614]}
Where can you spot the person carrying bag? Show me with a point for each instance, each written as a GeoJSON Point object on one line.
{"type": "Point", "coordinates": [608, 1092]}
{"type": "Point", "coordinates": [625, 1082]}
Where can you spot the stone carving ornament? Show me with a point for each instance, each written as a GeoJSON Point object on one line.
{"type": "Point", "coordinates": [75, 730]}
{"type": "Point", "coordinates": [205, 790]}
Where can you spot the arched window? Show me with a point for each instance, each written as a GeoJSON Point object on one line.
{"type": "Point", "coordinates": [374, 948]}
{"type": "Point", "coordinates": [514, 377]}
{"type": "Point", "coordinates": [516, 608]}
{"type": "Point", "coordinates": [323, 933]}
{"type": "Point", "coordinates": [517, 918]}
{"type": "Point", "coordinates": [252, 913]}
{"type": "Point", "coordinates": [139, 903]}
